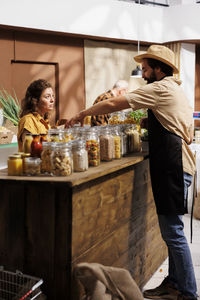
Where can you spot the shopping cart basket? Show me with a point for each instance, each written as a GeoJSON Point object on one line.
{"type": "Point", "coordinates": [18, 286]}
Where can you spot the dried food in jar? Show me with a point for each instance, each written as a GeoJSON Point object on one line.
{"type": "Point", "coordinates": [80, 156]}
{"type": "Point", "coordinates": [62, 160]}
{"type": "Point", "coordinates": [46, 167]}
{"type": "Point", "coordinates": [32, 166]}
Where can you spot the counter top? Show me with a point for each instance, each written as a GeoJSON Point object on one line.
{"type": "Point", "coordinates": [78, 178]}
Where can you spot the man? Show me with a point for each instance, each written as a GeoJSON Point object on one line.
{"type": "Point", "coordinates": [170, 127]}
{"type": "Point", "coordinates": [120, 88]}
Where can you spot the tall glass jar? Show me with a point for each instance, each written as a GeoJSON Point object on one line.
{"type": "Point", "coordinates": [80, 155]}
{"type": "Point", "coordinates": [106, 144]}
{"type": "Point", "coordinates": [46, 167]}
{"type": "Point", "coordinates": [36, 146]}
{"type": "Point", "coordinates": [117, 142]}
{"type": "Point", "coordinates": [62, 164]}
{"type": "Point", "coordinates": [124, 140]}
{"type": "Point", "coordinates": [134, 140]}
{"type": "Point", "coordinates": [27, 143]}
{"type": "Point", "coordinates": [92, 146]}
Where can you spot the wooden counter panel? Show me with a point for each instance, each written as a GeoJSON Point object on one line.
{"type": "Point", "coordinates": [128, 234]}
{"type": "Point", "coordinates": [100, 209]}
{"type": "Point", "coordinates": [105, 215]}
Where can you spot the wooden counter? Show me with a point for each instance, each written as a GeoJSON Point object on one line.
{"type": "Point", "coordinates": [105, 215]}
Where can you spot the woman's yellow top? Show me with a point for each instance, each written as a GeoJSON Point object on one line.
{"type": "Point", "coordinates": [33, 123]}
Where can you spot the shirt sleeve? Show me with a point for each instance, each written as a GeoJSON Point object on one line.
{"type": "Point", "coordinates": [144, 97]}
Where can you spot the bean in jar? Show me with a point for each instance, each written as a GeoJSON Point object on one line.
{"type": "Point", "coordinates": [80, 156]}
{"type": "Point", "coordinates": [106, 145]}
{"type": "Point", "coordinates": [62, 159]}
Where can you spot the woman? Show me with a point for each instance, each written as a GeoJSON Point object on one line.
{"type": "Point", "coordinates": [38, 102]}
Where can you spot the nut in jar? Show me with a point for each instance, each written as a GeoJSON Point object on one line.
{"type": "Point", "coordinates": [62, 159]}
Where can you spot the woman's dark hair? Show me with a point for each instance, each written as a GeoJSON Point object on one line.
{"type": "Point", "coordinates": [33, 93]}
{"type": "Point", "coordinates": [153, 63]}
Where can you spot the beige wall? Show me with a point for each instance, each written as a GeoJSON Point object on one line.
{"type": "Point", "coordinates": [105, 63]}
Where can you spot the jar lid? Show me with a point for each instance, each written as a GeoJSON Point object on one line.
{"type": "Point", "coordinates": [14, 156]}
{"type": "Point", "coordinates": [35, 160]}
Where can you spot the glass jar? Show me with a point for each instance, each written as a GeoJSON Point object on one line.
{"type": "Point", "coordinates": [117, 142]}
{"type": "Point", "coordinates": [116, 118]}
{"type": "Point", "coordinates": [106, 144]}
{"type": "Point", "coordinates": [62, 164]}
{"type": "Point", "coordinates": [27, 143]}
{"type": "Point", "coordinates": [124, 140]}
{"type": "Point", "coordinates": [80, 156]}
{"type": "Point", "coordinates": [32, 166]}
{"type": "Point", "coordinates": [67, 135]}
{"type": "Point", "coordinates": [92, 146]}
{"type": "Point", "coordinates": [55, 135]}
{"type": "Point", "coordinates": [43, 137]}
{"type": "Point", "coordinates": [46, 167]}
{"type": "Point", "coordinates": [133, 137]}
{"type": "Point", "coordinates": [15, 165]}
{"type": "Point", "coordinates": [36, 146]}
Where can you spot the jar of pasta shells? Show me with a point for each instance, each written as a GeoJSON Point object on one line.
{"type": "Point", "coordinates": [62, 164]}
{"type": "Point", "coordinates": [46, 167]}
{"type": "Point", "coordinates": [92, 146]}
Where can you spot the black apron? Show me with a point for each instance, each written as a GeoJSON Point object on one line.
{"type": "Point", "coordinates": [166, 169]}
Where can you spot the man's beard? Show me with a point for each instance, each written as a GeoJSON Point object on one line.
{"type": "Point", "coordinates": [152, 77]}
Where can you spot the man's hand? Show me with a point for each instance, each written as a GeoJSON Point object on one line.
{"type": "Point", "coordinates": [78, 118]}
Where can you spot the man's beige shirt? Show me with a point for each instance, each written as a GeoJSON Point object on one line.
{"type": "Point", "coordinates": [170, 106]}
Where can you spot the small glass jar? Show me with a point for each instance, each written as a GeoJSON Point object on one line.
{"type": "Point", "coordinates": [133, 138]}
{"type": "Point", "coordinates": [15, 165]}
{"type": "Point", "coordinates": [117, 142]}
{"type": "Point", "coordinates": [62, 164]}
{"type": "Point", "coordinates": [27, 143]}
{"type": "Point", "coordinates": [106, 144]}
{"type": "Point", "coordinates": [80, 156]}
{"type": "Point", "coordinates": [36, 146]}
{"type": "Point", "coordinates": [32, 166]}
{"type": "Point", "coordinates": [92, 146]}
{"type": "Point", "coordinates": [124, 141]}
{"type": "Point", "coordinates": [46, 167]}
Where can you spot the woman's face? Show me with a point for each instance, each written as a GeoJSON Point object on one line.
{"type": "Point", "coordinates": [46, 102]}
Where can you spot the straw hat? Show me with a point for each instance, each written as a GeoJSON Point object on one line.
{"type": "Point", "coordinates": [161, 53]}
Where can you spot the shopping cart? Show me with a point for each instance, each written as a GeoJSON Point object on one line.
{"type": "Point", "coordinates": [18, 286]}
